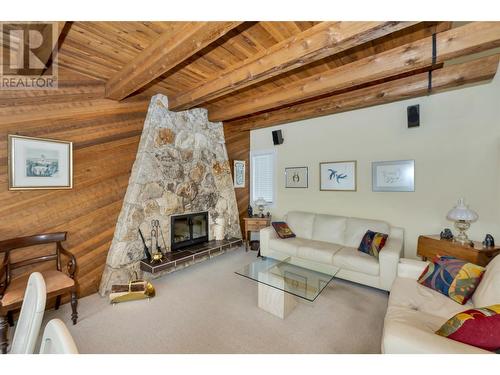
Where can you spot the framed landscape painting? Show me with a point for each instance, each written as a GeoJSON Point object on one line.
{"type": "Point", "coordinates": [38, 163]}
{"type": "Point", "coordinates": [398, 175]}
{"type": "Point", "coordinates": [296, 177]}
{"type": "Point", "coordinates": [239, 173]}
{"type": "Point", "coordinates": [337, 176]}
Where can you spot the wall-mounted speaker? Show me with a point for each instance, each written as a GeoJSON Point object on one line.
{"type": "Point", "coordinates": [277, 137]}
{"type": "Point", "coordinates": [413, 113]}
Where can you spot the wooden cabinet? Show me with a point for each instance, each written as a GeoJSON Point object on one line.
{"type": "Point", "coordinates": [254, 224]}
{"type": "Point", "coordinates": [430, 246]}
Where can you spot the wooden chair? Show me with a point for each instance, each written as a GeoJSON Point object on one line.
{"type": "Point", "coordinates": [57, 282]}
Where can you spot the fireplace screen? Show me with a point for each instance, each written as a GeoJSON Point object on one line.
{"type": "Point", "coordinates": [189, 230]}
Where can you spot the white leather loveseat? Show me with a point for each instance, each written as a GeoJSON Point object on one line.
{"type": "Point", "coordinates": [324, 242]}
{"type": "Point", "coordinates": [415, 312]}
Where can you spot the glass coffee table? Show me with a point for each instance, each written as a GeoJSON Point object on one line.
{"type": "Point", "coordinates": [281, 282]}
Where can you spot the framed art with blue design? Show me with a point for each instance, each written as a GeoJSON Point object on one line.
{"type": "Point", "coordinates": [337, 176]}
{"type": "Point", "coordinates": [239, 173]}
{"type": "Point", "coordinates": [296, 177]}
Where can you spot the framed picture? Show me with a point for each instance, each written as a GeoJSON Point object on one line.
{"type": "Point", "coordinates": [337, 176]}
{"type": "Point", "coordinates": [239, 173]}
{"type": "Point", "coordinates": [296, 177]}
{"type": "Point", "coordinates": [398, 175]}
{"type": "Point", "coordinates": [37, 163]}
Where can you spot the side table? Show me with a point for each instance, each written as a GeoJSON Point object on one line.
{"type": "Point", "coordinates": [254, 224]}
{"type": "Point", "coordinates": [431, 245]}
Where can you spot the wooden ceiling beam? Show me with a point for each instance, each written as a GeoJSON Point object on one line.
{"type": "Point", "coordinates": [411, 57]}
{"type": "Point", "coordinates": [316, 43]}
{"type": "Point", "coordinates": [413, 86]}
{"type": "Point", "coordinates": [165, 53]}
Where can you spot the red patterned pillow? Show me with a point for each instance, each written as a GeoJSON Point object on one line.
{"type": "Point", "coordinates": [282, 229]}
{"type": "Point", "coordinates": [478, 327]}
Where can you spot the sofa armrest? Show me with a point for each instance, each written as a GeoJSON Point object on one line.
{"type": "Point", "coordinates": [389, 260]}
{"type": "Point", "coordinates": [411, 268]}
{"type": "Point", "coordinates": [401, 338]}
{"type": "Point", "coordinates": [265, 235]}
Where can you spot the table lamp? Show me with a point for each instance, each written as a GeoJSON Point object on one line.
{"type": "Point", "coordinates": [462, 215]}
{"type": "Point", "coordinates": [261, 203]}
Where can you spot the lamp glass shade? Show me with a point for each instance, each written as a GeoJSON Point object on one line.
{"type": "Point", "coordinates": [260, 202]}
{"type": "Point", "coordinates": [461, 212]}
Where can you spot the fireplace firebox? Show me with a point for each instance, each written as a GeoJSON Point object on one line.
{"type": "Point", "coordinates": [188, 229]}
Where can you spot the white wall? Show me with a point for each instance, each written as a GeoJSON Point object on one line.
{"type": "Point", "coordinates": [456, 151]}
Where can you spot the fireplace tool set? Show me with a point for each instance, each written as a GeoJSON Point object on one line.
{"type": "Point", "coordinates": [155, 254]}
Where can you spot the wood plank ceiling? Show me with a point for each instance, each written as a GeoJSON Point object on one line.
{"type": "Point", "coordinates": [253, 67]}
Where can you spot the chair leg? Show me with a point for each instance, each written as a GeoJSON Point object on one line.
{"type": "Point", "coordinates": [10, 318]}
{"type": "Point", "coordinates": [4, 326]}
{"type": "Point", "coordinates": [74, 304]}
{"type": "Point", "coordinates": [58, 302]}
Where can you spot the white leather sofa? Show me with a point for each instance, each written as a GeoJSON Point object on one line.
{"type": "Point", "coordinates": [324, 242]}
{"type": "Point", "coordinates": [415, 312]}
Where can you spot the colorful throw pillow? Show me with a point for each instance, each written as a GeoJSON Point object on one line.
{"type": "Point", "coordinates": [282, 229]}
{"type": "Point", "coordinates": [478, 327]}
{"type": "Point", "coordinates": [452, 277]}
{"type": "Point", "coordinates": [372, 243]}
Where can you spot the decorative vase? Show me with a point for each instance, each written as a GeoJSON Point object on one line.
{"type": "Point", "coordinates": [220, 226]}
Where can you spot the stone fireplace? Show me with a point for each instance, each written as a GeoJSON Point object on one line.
{"type": "Point", "coordinates": [181, 167]}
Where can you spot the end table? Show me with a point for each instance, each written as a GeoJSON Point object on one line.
{"type": "Point", "coordinates": [254, 224]}
{"type": "Point", "coordinates": [431, 245]}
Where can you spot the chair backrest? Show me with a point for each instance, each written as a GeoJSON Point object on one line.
{"type": "Point", "coordinates": [57, 339]}
{"type": "Point", "coordinates": [9, 245]}
{"type": "Point", "coordinates": [30, 319]}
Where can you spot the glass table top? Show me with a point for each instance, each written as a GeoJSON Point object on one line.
{"type": "Point", "coordinates": [288, 277]}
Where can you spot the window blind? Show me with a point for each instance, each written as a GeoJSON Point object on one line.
{"type": "Point", "coordinates": [263, 177]}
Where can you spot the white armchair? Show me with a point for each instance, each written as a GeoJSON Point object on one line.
{"type": "Point", "coordinates": [30, 318]}
{"type": "Point", "coordinates": [57, 339]}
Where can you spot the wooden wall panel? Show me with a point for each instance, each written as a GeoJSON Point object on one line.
{"type": "Point", "coordinates": [105, 135]}
{"type": "Point", "coordinates": [238, 148]}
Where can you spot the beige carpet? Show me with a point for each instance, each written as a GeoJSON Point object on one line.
{"type": "Point", "coordinates": [207, 308]}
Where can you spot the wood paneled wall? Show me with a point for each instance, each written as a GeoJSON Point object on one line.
{"type": "Point", "coordinates": [238, 148]}
{"type": "Point", "coordinates": [106, 135]}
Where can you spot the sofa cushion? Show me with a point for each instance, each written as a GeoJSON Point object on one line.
{"type": "Point", "coordinates": [352, 259]}
{"type": "Point", "coordinates": [282, 229]}
{"type": "Point", "coordinates": [452, 277]}
{"type": "Point", "coordinates": [288, 246]}
{"type": "Point", "coordinates": [301, 223]}
{"type": "Point", "coordinates": [372, 243]}
{"type": "Point", "coordinates": [356, 229]}
{"type": "Point", "coordinates": [408, 293]}
{"type": "Point", "coordinates": [488, 291]}
{"type": "Point", "coordinates": [479, 327]}
{"type": "Point", "coordinates": [329, 228]}
{"type": "Point", "coordinates": [318, 251]}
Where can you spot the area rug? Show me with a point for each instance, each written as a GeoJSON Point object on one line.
{"type": "Point", "coordinates": [207, 308]}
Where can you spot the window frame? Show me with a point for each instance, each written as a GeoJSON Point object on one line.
{"type": "Point", "coordinates": [274, 156]}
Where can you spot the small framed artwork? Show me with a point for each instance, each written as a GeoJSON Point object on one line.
{"type": "Point", "coordinates": [337, 176]}
{"type": "Point", "coordinates": [38, 163]}
{"type": "Point", "coordinates": [296, 177]}
{"type": "Point", "coordinates": [397, 175]}
{"type": "Point", "coordinates": [239, 173]}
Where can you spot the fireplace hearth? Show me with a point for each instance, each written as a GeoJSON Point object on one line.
{"type": "Point", "coordinates": [188, 230]}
